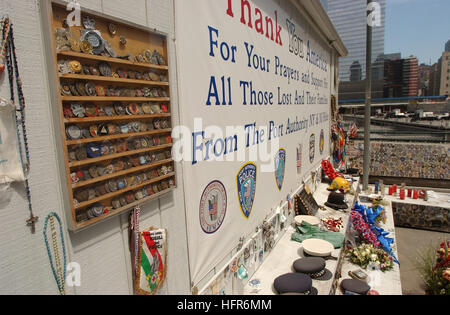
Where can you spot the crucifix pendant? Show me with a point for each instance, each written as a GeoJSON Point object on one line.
{"type": "Point", "coordinates": [32, 223]}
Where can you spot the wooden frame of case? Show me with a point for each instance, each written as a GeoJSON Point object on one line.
{"type": "Point", "coordinates": [305, 204]}
{"type": "Point", "coordinates": [138, 40]}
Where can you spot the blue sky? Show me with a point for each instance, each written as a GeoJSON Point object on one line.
{"type": "Point", "coordinates": [417, 27]}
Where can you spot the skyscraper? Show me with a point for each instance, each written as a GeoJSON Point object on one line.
{"type": "Point", "coordinates": [445, 73]}
{"type": "Point", "coordinates": [410, 76]}
{"type": "Point", "coordinates": [447, 46]}
{"type": "Point", "coordinates": [401, 76]}
{"type": "Point", "coordinates": [350, 20]}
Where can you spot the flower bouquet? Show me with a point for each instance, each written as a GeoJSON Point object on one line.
{"type": "Point", "coordinates": [434, 267]}
{"type": "Point", "coordinates": [366, 254]}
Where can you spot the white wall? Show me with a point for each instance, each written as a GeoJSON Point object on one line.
{"type": "Point", "coordinates": [102, 251]}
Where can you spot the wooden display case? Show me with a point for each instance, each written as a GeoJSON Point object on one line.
{"type": "Point", "coordinates": [116, 141]}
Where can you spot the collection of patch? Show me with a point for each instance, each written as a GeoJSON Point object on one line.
{"type": "Point", "coordinates": [92, 42]}
{"type": "Point", "coordinates": [83, 88]}
{"type": "Point", "coordinates": [92, 150]}
{"type": "Point", "coordinates": [122, 164]}
{"type": "Point", "coordinates": [79, 110]}
{"type": "Point", "coordinates": [105, 69]}
{"type": "Point", "coordinates": [76, 132]}
{"type": "Point", "coordinates": [119, 150]}
{"type": "Point", "coordinates": [99, 209]}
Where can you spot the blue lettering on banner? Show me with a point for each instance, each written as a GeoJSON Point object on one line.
{"type": "Point", "coordinates": [254, 94]}
{"type": "Point", "coordinates": [214, 92]}
{"type": "Point", "coordinates": [254, 135]}
{"type": "Point", "coordinates": [226, 52]}
{"type": "Point", "coordinates": [255, 97]}
{"type": "Point", "coordinates": [256, 61]}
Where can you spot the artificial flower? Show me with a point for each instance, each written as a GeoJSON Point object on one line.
{"type": "Point", "coordinates": [446, 274]}
{"type": "Point", "coordinates": [366, 254]}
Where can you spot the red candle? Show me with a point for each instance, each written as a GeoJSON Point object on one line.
{"type": "Point", "coordinates": [415, 194]}
{"type": "Point", "coordinates": [409, 193]}
{"type": "Point", "coordinates": [390, 191]}
{"type": "Point", "coordinates": [395, 189]}
{"type": "Point", "coordinates": [402, 194]}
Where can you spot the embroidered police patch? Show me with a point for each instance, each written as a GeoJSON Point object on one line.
{"type": "Point", "coordinates": [312, 148]}
{"type": "Point", "coordinates": [246, 187]}
{"type": "Point", "coordinates": [213, 207]}
{"type": "Point", "coordinates": [322, 142]}
{"type": "Point", "coordinates": [280, 167]}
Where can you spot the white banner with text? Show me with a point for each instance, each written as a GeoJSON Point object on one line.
{"type": "Point", "coordinates": [254, 93]}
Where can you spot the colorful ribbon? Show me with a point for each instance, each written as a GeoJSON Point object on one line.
{"type": "Point", "coordinates": [370, 230]}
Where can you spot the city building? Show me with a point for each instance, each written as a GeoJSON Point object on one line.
{"type": "Point", "coordinates": [356, 90]}
{"type": "Point", "coordinates": [392, 56]}
{"type": "Point", "coordinates": [445, 73]}
{"type": "Point", "coordinates": [378, 68]}
{"type": "Point", "coordinates": [435, 79]}
{"type": "Point", "coordinates": [447, 46]}
{"type": "Point", "coordinates": [393, 77]}
{"type": "Point", "coordinates": [356, 87]}
{"type": "Point", "coordinates": [355, 72]}
{"type": "Point", "coordinates": [349, 19]}
{"type": "Point", "coordinates": [410, 76]}
{"type": "Point", "coordinates": [401, 76]}
{"type": "Point", "coordinates": [424, 80]}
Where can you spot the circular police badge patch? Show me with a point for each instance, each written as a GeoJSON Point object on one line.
{"type": "Point", "coordinates": [213, 207]}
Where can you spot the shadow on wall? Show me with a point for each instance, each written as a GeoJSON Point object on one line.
{"type": "Point", "coordinates": [6, 194]}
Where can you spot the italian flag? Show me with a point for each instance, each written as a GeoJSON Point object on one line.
{"type": "Point", "coordinates": [152, 266]}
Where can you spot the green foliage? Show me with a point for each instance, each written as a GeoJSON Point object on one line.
{"type": "Point", "coordinates": [433, 265]}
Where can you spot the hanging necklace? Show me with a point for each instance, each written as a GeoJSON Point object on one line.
{"type": "Point", "coordinates": [8, 53]}
{"type": "Point", "coordinates": [58, 269]}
